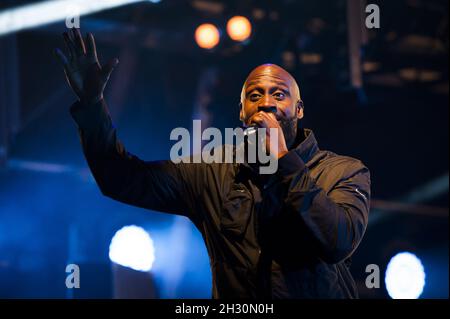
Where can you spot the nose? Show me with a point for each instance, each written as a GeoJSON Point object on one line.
{"type": "Point", "coordinates": [267, 105]}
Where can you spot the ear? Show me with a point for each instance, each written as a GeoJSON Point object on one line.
{"type": "Point", "coordinates": [241, 112]}
{"type": "Point", "coordinates": [300, 110]}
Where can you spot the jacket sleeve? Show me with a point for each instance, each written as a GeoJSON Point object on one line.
{"type": "Point", "coordinates": [336, 219]}
{"type": "Point", "coordinates": [159, 185]}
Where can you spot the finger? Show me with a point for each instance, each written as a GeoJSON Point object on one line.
{"type": "Point", "coordinates": [69, 45]}
{"type": "Point", "coordinates": [61, 57]}
{"type": "Point", "coordinates": [91, 49]}
{"type": "Point", "coordinates": [267, 120]}
{"type": "Point", "coordinates": [71, 37]}
{"type": "Point", "coordinates": [256, 119]}
{"type": "Point", "coordinates": [109, 67]}
{"type": "Point", "coordinates": [270, 118]}
{"type": "Point", "coordinates": [78, 40]}
{"type": "Point", "coordinates": [271, 115]}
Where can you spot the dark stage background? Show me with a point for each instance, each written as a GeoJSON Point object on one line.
{"type": "Point", "coordinates": [391, 112]}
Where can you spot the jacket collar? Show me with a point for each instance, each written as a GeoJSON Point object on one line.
{"type": "Point", "coordinates": [307, 146]}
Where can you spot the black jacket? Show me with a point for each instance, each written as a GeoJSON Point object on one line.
{"type": "Point", "coordinates": [290, 235]}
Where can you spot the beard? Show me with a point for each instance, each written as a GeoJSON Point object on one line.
{"type": "Point", "coordinates": [289, 127]}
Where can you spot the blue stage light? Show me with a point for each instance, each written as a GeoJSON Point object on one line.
{"type": "Point", "coordinates": [405, 276]}
{"type": "Point", "coordinates": [132, 247]}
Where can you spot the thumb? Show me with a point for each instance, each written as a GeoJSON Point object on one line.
{"type": "Point", "coordinates": [109, 67]}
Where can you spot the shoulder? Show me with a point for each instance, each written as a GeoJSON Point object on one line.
{"type": "Point", "coordinates": [342, 165]}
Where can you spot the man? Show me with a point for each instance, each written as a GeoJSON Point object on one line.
{"type": "Point", "coordinates": [285, 235]}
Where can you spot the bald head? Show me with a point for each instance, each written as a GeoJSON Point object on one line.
{"type": "Point", "coordinates": [274, 73]}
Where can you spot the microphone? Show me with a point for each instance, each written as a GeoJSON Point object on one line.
{"type": "Point", "coordinates": [251, 129]}
{"type": "Point", "coordinates": [251, 136]}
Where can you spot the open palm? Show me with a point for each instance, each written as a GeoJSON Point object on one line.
{"type": "Point", "coordinates": [85, 75]}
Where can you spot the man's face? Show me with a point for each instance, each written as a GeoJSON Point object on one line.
{"type": "Point", "coordinates": [269, 88]}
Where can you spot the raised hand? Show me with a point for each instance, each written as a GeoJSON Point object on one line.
{"type": "Point", "coordinates": [85, 75]}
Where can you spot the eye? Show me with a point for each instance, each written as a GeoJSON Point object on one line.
{"type": "Point", "coordinates": [254, 96]}
{"type": "Point", "coordinates": [279, 95]}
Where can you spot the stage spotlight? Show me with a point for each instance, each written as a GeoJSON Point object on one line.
{"type": "Point", "coordinates": [207, 36]}
{"type": "Point", "coordinates": [405, 276]}
{"type": "Point", "coordinates": [239, 28]}
{"type": "Point", "coordinates": [132, 247]}
{"type": "Point", "coordinates": [45, 12]}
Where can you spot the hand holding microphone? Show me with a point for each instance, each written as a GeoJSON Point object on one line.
{"type": "Point", "coordinates": [265, 118]}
